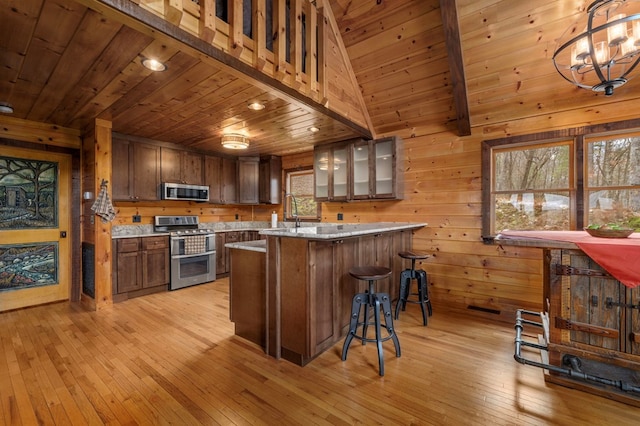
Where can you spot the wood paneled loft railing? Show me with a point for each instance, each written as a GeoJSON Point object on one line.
{"type": "Point", "coordinates": [281, 38]}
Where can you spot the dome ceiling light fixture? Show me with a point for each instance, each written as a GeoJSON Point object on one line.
{"type": "Point", "coordinates": [602, 56]}
{"type": "Point", "coordinates": [235, 141]}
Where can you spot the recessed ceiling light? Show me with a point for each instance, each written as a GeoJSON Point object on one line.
{"type": "Point", "coordinates": [313, 129]}
{"type": "Point", "coordinates": [6, 108]}
{"type": "Point", "coordinates": [153, 64]}
{"type": "Point", "coordinates": [256, 106]}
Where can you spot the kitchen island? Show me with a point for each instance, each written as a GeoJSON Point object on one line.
{"type": "Point", "coordinates": [307, 287]}
{"type": "Point", "coordinates": [593, 313]}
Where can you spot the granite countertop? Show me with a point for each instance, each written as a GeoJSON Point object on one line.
{"type": "Point", "coordinates": [255, 245]}
{"type": "Point", "coordinates": [331, 232]}
{"type": "Point", "coordinates": [322, 231]}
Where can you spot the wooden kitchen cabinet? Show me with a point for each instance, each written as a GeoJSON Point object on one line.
{"type": "Point", "coordinates": [155, 261]}
{"type": "Point", "coordinates": [221, 254]}
{"type": "Point", "coordinates": [181, 166]}
{"type": "Point", "coordinates": [136, 171]}
{"type": "Point", "coordinates": [270, 180]}
{"type": "Point", "coordinates": [223, 257]}
{"type": "Point", "coordinates": [141, 263]}
{"type": "Point", "coordinates": [359, 170]}
{"type": "Point", "coordinates": [330, 167]}
{"type": "Point", "coordinates": [248, 174]}
{"type": "Point", "coordinates": [129, 266]}
{"type": "Point", "coordinates": [336, 258]}
{"type": "Point", "coordinates": [220, 174]}
{"type": "Point", "coordinates": [317, 310]}
{"type": "Point", "coordinates": [374, 173]}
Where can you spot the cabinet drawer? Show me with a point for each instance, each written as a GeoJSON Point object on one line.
{"type": "Point", "coordinates": [128, 244]}
{"type": "Point", "coordinates": [150, 243]}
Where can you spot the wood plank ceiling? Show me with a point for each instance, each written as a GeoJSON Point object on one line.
{"type": "Point", "coordinates": [65, 64]}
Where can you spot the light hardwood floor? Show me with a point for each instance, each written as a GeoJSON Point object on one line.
{"type": "Point", "coordinates": [172, 358]}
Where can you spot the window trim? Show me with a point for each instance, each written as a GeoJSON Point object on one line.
{"type": "Point", "coordinates": [577, 134]}
{"type": "Point", "coordinates": [287, 200]}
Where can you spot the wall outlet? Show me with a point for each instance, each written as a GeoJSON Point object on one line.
{"type": "Point", "coordinates": [237, 216]}
{"type": "Point", "coordinates": [340, 217]}
{"type": "Point", "coordinates": [136, 218]}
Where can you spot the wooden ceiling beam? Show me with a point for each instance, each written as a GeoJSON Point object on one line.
{"type": "Point", "coordinates": [456, 64]}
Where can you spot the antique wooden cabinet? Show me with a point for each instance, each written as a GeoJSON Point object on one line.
{"type": "Point", "coordinates": [136, 171]}
{"type": "Point", "coordinates": [594, 323]}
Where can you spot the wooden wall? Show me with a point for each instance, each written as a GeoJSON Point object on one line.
{"type": "Point", "coordinates": [442, 188]}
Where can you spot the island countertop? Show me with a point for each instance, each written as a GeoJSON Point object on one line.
{"type": "Point", "coordinates": [332, 232]}
{"type": "Point", "coordinates": [255, 245]}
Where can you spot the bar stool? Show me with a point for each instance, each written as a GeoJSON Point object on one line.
{"type": "Point", "coordinates": [405, 286]}
{"type": "Point", "coordinates": [371, 299]}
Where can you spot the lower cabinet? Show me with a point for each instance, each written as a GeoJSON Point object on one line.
{"type": "Point", "coordinates": [316, 290]}
{"type": "Point", "coordinates": [223, 258]}
{"type": "Point", "coordinates": [141, 265]}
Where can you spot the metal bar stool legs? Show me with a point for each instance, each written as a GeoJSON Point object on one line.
{"type": "Point", "coordinates": [377, 301]}
{"type": "Point", "coordinates": [406, 278]}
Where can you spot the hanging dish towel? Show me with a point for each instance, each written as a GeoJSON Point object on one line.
{"type": "Point", "coordinates": [103, 207]}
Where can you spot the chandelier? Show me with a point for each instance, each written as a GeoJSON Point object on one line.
{"type": "Point", "coordinates": [235, 141]}
{"type": "Point", "coordinates": [602, 56]}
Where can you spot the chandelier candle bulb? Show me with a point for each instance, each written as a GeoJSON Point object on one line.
{"type": "Point", "coordinates": [617, 33]}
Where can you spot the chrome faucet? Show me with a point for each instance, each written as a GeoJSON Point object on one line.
{"type": "Point", "coordinates": [295, 207]}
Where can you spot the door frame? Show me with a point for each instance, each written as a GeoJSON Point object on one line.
{"type": "Point", "coordinates": [75, 285]}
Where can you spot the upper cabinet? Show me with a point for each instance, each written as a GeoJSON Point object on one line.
{"type": "Point", "coordinates": [270, 180]}
{"type": "Point", "coordinates": [178, 166]}
{"type": "Point", "coordinates": [330, 165]}
{"type": "Point", "coordinates": [248, 168]}
{"type": "Point", "coordinates": [220, 173]}
{"type": "Point", "coordinates": [375, 169]}
{"type": "Point", "coordinates": [359, 170]}
{"type": "Point", "coordinates": [136, 171]}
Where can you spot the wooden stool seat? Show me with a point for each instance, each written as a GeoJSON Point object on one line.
{"type": "Point", "coordinates": [406, 277]}
{"type": "Point", "coordinates": [367, 273]}
{"type": "Point", "coordinates": [413, 256]}
{"type": "Point", "coordinates": [377, 301]}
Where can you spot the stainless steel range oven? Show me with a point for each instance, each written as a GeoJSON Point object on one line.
{"type": "Point", "coordinates": [193, 250]}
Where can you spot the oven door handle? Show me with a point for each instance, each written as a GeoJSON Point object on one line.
{"type": "Point", "coordinates": [182, 256]}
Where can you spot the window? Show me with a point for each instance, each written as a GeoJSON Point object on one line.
{"type": "Point", "coordinates": [544, 182]}
{"type": "Point", "coordinates": [299, 183]}
{"type": "Point", "coordinates": [612, 180]}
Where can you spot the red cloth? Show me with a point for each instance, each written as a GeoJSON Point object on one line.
{"type": "Point", "coordinates": [619, 256]}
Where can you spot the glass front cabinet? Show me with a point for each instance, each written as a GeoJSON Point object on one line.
{"type": "Point", "coordinates": [359, 170]}
{"type": "Point", "coordinates": [330, 167]}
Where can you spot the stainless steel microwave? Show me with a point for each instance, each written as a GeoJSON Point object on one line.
{"type": "Point", "coordinates": [181, 191]}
